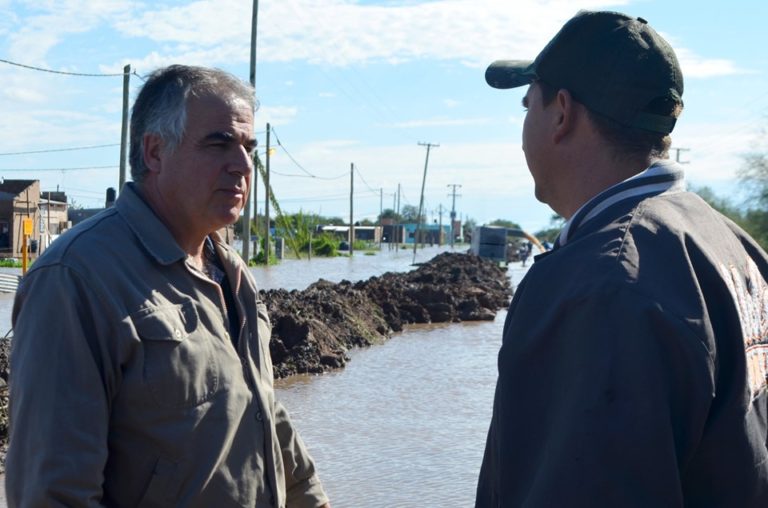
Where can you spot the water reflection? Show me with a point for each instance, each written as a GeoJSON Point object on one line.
{"type": "Point", "coordinates": [298, 274]}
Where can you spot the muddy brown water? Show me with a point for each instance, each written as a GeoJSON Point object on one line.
{"type": "Point", "coordinates": [404, 424]}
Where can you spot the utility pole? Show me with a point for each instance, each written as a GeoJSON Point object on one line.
{"type": "Point", "coordinates": [399, 224]}
{"type": "Point", "coordinates": [453, 195]}
{"type": "Point", "coordinates": [124, 129]}
{"type": "Point", "coordinates": [381, 212]}
{"type": "Point", "coordinates": [266, 202]}
{"type": "Point", "coordinates": [351, 205]}
{"type": "Point", "coordinates": [440, 225]}
{"type": "Point", "coordinates": [421, 200]}
{"type": "Point", "coordinates": [677, 155]}
{"type": "Point", "coordinates": [245, 232]}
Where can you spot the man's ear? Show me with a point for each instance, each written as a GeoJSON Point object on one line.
{"type": "Point", "coordinates": [153, 152]}
{"type": "Point", "coordinates": [565, 115]}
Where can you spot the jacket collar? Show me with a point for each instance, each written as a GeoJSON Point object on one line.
{"type": "Point", "coordinates": [662, 177]}
{"type": "Point", "coordinates": [148, 228]}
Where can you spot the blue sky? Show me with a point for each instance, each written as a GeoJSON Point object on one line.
{"type": "Point", "coordinates": [360, 82]}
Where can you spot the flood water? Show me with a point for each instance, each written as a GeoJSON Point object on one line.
{"type": "Point", "coordinates": [404, 423]}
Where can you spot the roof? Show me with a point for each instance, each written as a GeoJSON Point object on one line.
{"type": "Point", "coordinates": [15, 187]}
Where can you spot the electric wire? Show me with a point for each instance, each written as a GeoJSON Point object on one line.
{"type": "Point", "coordinates": [83, 168]}
{"type": "Point", "coordinates": [66, 73]}
{"type": "Point", "coordinates": [357, 168]}
{"type": "Point", "coordinates": [51, 150]}
{"type": "Point", "coordinates": [308, 174]}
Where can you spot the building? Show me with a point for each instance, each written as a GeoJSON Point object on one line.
{"type": "Point", "coordinates": [19, 199]}
{"type": "Point", "coordinates": [22, 199]}
{"type": "Point", "coordinates": [431, 234]}
{"type": "Point", "coordinates": [54, 218]}
{"type": "Point", "coordinates": [366, 233]}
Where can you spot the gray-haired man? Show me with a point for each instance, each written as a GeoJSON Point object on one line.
{"type": "Point", "coordinates": [141, 373]}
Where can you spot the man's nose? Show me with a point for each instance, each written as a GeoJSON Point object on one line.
{"type": "Point", "coordinates": [242, 161]}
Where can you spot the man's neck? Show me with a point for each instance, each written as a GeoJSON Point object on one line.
{"type": "Point", "coordinates": [190, 241]}
{"type": "Point", "coordinates": [595, 175]}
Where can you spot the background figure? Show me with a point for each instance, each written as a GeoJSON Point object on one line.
{"type": "Point", "coordinates": [141, 372]}
{"type": "Point", "coordinates": [524, 252]}
{"type": "Point", "coordinates": [634, 360]}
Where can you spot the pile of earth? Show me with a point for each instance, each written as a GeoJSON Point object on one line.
{"type": "Point", "coordinates": [313, 329]}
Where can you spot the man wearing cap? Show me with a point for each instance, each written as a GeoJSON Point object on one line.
{"type": "Point", "coordinates": [635, 354]}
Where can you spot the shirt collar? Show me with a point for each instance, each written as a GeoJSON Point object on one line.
{"type": "Point", "coordinates": [661, 177]}
{"type": "Point", "coordinates": [147, 226]}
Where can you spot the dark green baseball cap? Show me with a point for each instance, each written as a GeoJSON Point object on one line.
{"type": "Point", "coordinates": [613, 64]}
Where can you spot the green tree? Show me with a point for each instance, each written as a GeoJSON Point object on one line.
{"type": "Point", "coordinates": [754, 175]}
{"type": "Point", "coordinates": [410, 214]}
{"type": "Point", "coordinates": [504, 223]}
{"type": "Point", "coordinates": [389, 213]}
{"type": "Point", "coordinates": [556, 223]}
{"type": "Point", "coordinates": [754, 172]}
{"type": "Point", "coordinates": [469, 225]}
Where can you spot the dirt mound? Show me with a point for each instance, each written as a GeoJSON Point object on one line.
{"type": "Point", "coordinates": [314, 328]}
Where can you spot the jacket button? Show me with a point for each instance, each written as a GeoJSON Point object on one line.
{"type": "Point", "coordinates": [259, 416]}
{"type": "Point", "coordinates": [177, 333]}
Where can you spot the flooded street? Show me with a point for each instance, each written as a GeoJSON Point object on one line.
{"type": "Point", "coordinates": [404, 424]}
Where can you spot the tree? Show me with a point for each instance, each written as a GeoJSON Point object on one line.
{"type": "Point", "coordinates": [753, 220]}
{"type": "Point", "coordinates": [389, 213]}
{"type": "Point", "coordinates": [505, 224]}
{"type": "Point", "coordinates": [755, 171]}
{"type": "Point", "coordinates": [469, 228]}
{"type": "Point", "coordinates": [556, 223]}
{"type": "Point", "coordinates": [410, 214]}
{"type": "Point", "coordinates": [754, 174]}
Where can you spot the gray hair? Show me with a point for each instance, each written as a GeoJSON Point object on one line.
{"type": "Point", "coordinates": [161, 106]}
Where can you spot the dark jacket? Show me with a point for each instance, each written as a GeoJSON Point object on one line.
{"type": "Point", "coordinates": [623, 379]}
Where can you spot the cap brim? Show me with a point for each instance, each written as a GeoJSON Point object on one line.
{"type": "Point", "coordinates": [510, 73]}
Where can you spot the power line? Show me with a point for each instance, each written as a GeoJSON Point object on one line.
{"type": "Point", "coordinates": [60, 149]}
{"type": "Point", "coordinates": [82, 74]}
{"type": "Point", "coordinates": [60, 169]}
{"type": "Point", "coordinates": [366, 183]}
{"type": "Point", "coordinates": [309, 174]}
{"type": "Point", "coordinates": [289, 154]}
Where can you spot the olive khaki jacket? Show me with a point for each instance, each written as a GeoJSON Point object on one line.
{"type": "Point", "coordinates": [126, 389]}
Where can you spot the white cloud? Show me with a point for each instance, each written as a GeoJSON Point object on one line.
{"type": "Point", "coordinates": [201, 23]}
{"type": "Point", "coordinates": [441, 122]}
{"type": "Point", "coordinates": [50, 21]}
{"type": "Point", "coordinates": [694, 66]}
{"type": "Point", "coordinates": [275, 115]}
{"type": "Point", "coordinates": [715, 150]}
{"type": "Point", "coordinates": [23, 94]}
{"type": "Point", "coordinates": [216, 32]}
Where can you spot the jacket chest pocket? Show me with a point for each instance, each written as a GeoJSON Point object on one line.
{"type": "Point", "coordinates": [179, 367]}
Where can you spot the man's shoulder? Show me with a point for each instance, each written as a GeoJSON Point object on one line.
{"type": "Point", "coordinates": [84, 241]}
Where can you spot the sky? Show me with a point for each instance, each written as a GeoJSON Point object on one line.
{"type": "Point", "coordinates": [364, 83]}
